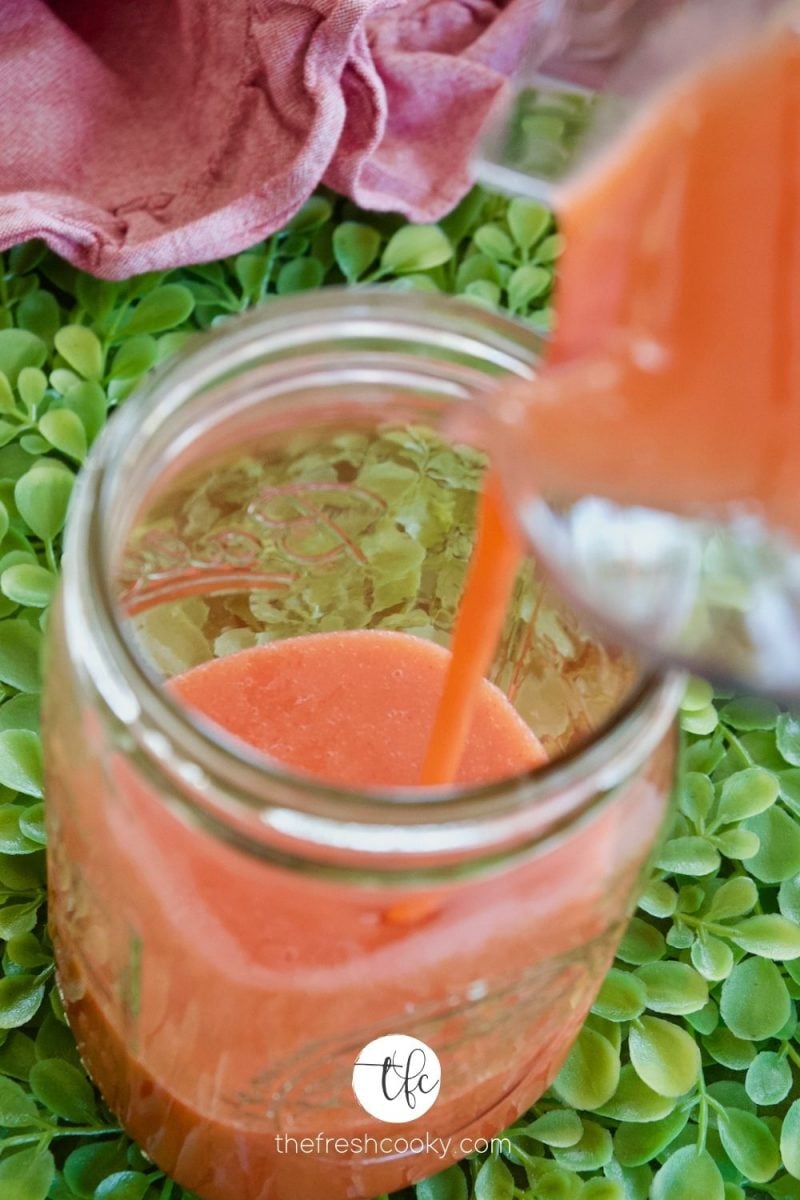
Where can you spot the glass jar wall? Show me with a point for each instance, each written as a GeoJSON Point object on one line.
{"type": "Point", "coordinates": [230, 934]}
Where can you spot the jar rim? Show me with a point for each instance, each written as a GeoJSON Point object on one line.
{"type": "Point", "coordinates": [239, 795]}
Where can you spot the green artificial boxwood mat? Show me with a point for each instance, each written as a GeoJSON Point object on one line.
{"type": "Point", "coordinates": [684, 1083]}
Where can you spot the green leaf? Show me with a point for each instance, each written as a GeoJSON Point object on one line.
{"type": "Point", "coordinates": [63, 1089]}
{"type": "Point", "coordinates": [415, 248]}
{"type": "Point", "coordinates": [21, 761]}
{"type": "Point", "coordinates": [750, 712]}
{"type": "Point", "coordinates": [559, 1127]}
{"type": "Point", "coordinates": [355, 248]}
{"type": "Point", "coordinates": [749, 1144]}
{"type": "Point", "coordinates": [621, 998]}
{"type": "Point", "coordinates": [699, 694]}
{"type": "Point", "coordinates": [18, 919]}
{"type": "Point", "coordinates": [688, 856]}
{"type": "Point", "coordinates": [414, 283]}
{"type": "Point", "coordinates": [20, 712]}
{"type": "Point", "coordinates": [782, 1188]}
{"type": "Point", "coordinates": [17, 1055]}
{"type": "Point", "coordinates": [20, 998]}
{"type": "Point", "coordinates": [730, 1093]}
{"type": "Point", "coordinates": [26, 1175]}
{"type": "Point", "coordinates": [493, 241]}
{"type": "Point", "coordinates": [447, 1185]}
{"type": "Point", "coordinates": [755, 1002]}
{"type": "Point", "coordinates": [635, 1145]}
{"type": "Point", "coordinates": [706, 1019]}
{"type": "Point", "coordinates": [32, 385]}
{"type": "Point", "coordinates": [89, 402]}
{"type": "Point", "coordinates": [18, 349]}
{"type": "Point", "coordinates": [700, 721]}
{"type": "Point", "coordinates": [484, 292]}
{"type": "Point", "coordinates": [664, 1056]}
{"type": "Point", "coordinates": [589, 1077]}
{"type": "Point", "coordinates": [635, 1102]}
{"type": "Point", "coordinates": [64, 430]}
{"type": "Point", "coordinates": [28, 584]}
{"type": "Point", "coordinates": [462, 219]}
{"type": "Point", "coordinates": [125, 1185]}
{"type": "Point", "coordinates": [778, 856]}
{"type": "Point", "coordinates": [89, 1165]}
{"type": "Point", "coordinates": [696, 796]}
{"type": "Point", "coordinates": [769, 936]}
{"type": "Point", "coordinates": [704, 755]}
{"type": "Point", "coordinates": [634, 1180]}
{"type": "Point", "coordinates": [12, 840]}
{"type": "Point", "coordinates": [602, 1189]}
{"type": "Point", "coordinates": [25, 950]}
{"type": "Point", "coordinates": [164, 308]}
{"type": "Point", "coordinates": [33, 444]}
{"type": "Point", "coordinates": [528, 222]}
{"type": "Point", "coordinates": [135, 357]}
{"type": "Point", "coordinates": [728, 1050]}
{"type": "Point", "coordinates": [81, 349]}
{"type": "Point", "coordinates": [641, 943]}
{"type": "Point", "coordinates": [479, 268]}
{"type": "Point", "coordinates": [526, 285]}
{"type": "Point", "coordinates": [299, 275]}
{"type": "Point", "coordinates": [17, 1109]}
{"type": "Point", "coordinates": [31, 821]}
{"type": "Point", "coordinates": [26, 256]}
{"type": "Point", "coordinates": [494, 1181]}
{"type": "Point", "coordinates": [790, 1140]}
{"type": "Point", "coordinates": [769, 1078]}
{"type": "Point", "coordinates": [553, 1182]}
{"type": "Point", "coordinates": [734, 898]}
{"type": "Point", "coordinates": [20, 647]}
{"type": "Point", "coordinates": [658, 899]}
{"type": "Point", "coordinates": [712, 957]}
{"type": "Point", "coordinates": [251, 271]}
{"type": "Point", "coordinates": [97, 296]}
{"type": "Point", "coordinates": [315, 212]}
{"type": "Point", "coordinates": [738, 844]}
{"type": "Point", "coordinates": [549, 250]}
{"type": "Point", "coordinates": [7, 401]}
{"type": "Point", "coordinates": [688, 1174]}
{"type": "Point", "coordinates": [592, 1152]}
{"type": "Point", "coordinates": [789, 899]}
{"type": "Point", "coordinates": [746, 794]}
{"type": "Point", "coordinates": [42, 496]}
{"type": "Point", "coordinates": [787, 736]}
{"type": "Point", "coordinates": [673, 988]}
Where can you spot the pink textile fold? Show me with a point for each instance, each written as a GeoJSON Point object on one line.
{"type": "Point", "coordinates": [142, 134]}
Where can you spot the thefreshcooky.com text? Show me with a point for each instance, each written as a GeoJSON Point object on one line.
{"type": "Point", "coordinates": [366, 1144]}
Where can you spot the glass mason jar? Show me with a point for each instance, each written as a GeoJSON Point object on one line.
{"type": "Point", "coordinates": [229, 935]}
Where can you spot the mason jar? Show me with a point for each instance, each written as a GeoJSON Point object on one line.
{"type": "Point", "coordinates": [231, 936]}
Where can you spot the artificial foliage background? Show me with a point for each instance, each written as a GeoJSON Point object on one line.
{"type": "Point", "coordinates": [685, 1082]}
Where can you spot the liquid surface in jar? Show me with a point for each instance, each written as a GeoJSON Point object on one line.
{"type": "Point", "coordinates": [354, 708]}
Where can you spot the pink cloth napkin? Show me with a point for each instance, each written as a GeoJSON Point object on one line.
{"type": "Point", "coordinates": [140, 134]}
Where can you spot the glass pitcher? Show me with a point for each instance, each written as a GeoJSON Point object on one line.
{"type": "Point", "coordinates": [712, 585]}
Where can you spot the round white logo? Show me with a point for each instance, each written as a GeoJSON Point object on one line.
{"type": "Point", "coordinates": [396, 1078]}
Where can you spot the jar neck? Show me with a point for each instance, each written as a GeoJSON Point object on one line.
{"type": "Point", "coordinates": [383, 339]}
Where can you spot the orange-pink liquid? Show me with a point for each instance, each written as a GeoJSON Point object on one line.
{"type": "Point", "coordinates": [678, 338]}
{"type": "Point", "coordinates": [354, 709]}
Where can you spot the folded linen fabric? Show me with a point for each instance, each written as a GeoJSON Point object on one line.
{"type": "Point", "coordinates": [142, 134]}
